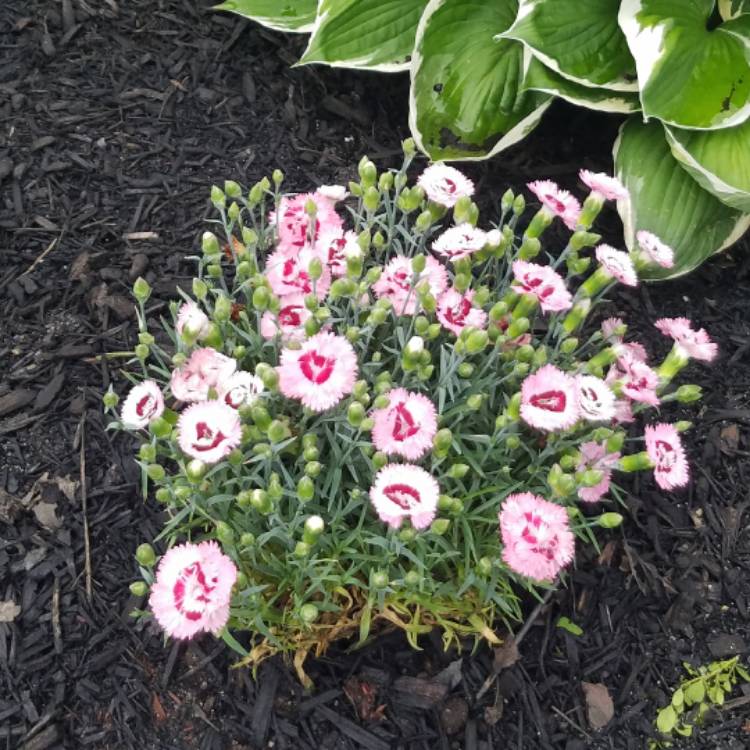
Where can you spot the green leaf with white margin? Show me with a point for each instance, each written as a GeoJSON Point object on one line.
{"type": "Point", "coordinates": [541, 78]}
{"type": "Point", "coordinates": [718, 159]}
{"type": "Point", "coordinates": [732, 8]}
{"type": "Point", "coordinates": [365, 34]}
{"type": "Point", "coordinates": [283, 15]}
{"type": "Point", "coordinates": [666, 200]}
{"type": "Point", "coordinates": [467, 99]}
{"type": "Point", "coordinates": [689, 76]}
{"type": "Point", "coordinates": [579, 39]}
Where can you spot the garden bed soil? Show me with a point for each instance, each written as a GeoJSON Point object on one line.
{"type": "Point", "coordinates": [116, 117]}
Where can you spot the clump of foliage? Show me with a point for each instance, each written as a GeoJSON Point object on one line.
{"type": "Point", "coordinates": [373, 413]}
{"type": "Point", "coordinates": [484, 71]}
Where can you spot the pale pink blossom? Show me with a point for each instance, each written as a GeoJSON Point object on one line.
{"type": "Point", "coordinates": [456, 311]}
{"type": "Point", "coordinates": [444, 185]}
{"type": "Point", "coordinates": [289, 275]}
{"type": "Point", "coordinates": [549, 399]}
{"type": "Point", "coordinates": [595, 456]}
{"type": "Point", "coordinates": [205, 369]}
{"type": "Point", "coordinates": [664, 448]}
{"type": "Point", "coordinates": [609, 188]}
{"type": "Point", "coordinates": [654, 249]}
{"type": "Point", "coordinates": [689, 342]}
{"type": "Point", "coordinates": [617, 264]}
{"type": "Point", "coordinates": [460, 242]}
{"type": "Point", "coordinates": [333, 193]}
{"type": "Point", "coordinates": [623, 412]}
{"type": "Point", "coordinates": [296, 228]}
{"type": "Point", "coordinates": [637, 380]}
{"type": "Point", "coordinates": [289, 321]}
{"type": "Point", "coordinates": [536, 536]}
{"type": "Point", "coordinates": [209, 431]}
{"type": "Point", "coordinates": [544, 283]}
{"type": "Point", "coordinates": [403, 491]}
{"type": "Point", "coordinates": [240, 389]}
{"type": "Point", "coordinates": [631, 349]}
{"type": "Point", "coordinates": [193, 590]}
{"type": "Point", "coordinates": [193, 321]}
{"type": "Point", "coordinates": [557, 202]}
{"type": "Point", "coordinates": [395, 283]}
{"type": "Point", "coordinates": [143, 404]}
{"type": "Point", "coordinates": [333, 247]}
{"type": "Point", "coordinates": [320, 373]}
{"type": "Point", "coordinates": [612, 329]}
{"type": "Point", "coordinates": [406, 426]}
{"type": "Point", "coordinates": [596, 401]}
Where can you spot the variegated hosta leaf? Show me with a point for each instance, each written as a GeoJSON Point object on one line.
{"type": "Point", "coordinates": [282, 15]}
{"type": "Point", "coordinates": [366, 34]}
{"type": "Point", "coordinates": [579, 39]}
{"type": "Point", "coordinates": [718, 159]}
{"type": "Point", "coordinates": [731, 8]}
{"type": "Point", "coordinates": [667, 201]}
{"type": "Point", "coordinates": [540, 78]}
{"type": "Point", "coordinates": [690, 76]}
{"type": "Point", "coordinates": [467, 99]}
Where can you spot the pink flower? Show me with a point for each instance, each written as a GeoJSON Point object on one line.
{"type": "Point", "coordinates": [637, 380]}
{"type": "Point", "coordinates": [205, 369]}
{"type": "Point", "coordinates": [623, 412]}
{"type": "Point", "coordinates": [333, 246]}
{"type": "Point", "coordinates": [193, 590]}
{"type": "Point", "coordinates": [549, 399]}
{"type": "Point", "coordinates": [289, 322]}
{"type": "Point", "coordinates": [610, 328]}
{"type": "Point", "coordinates": [690, 343]}
{"type": "Point", "coordinates": [240, 389]}
{"type": "Point", "coordinates": [209, 430]}
{"type": "Point", "coordinates": [557, 202]}
{"type": "Point", "coordinates": [609, 188]}
{"type": "Point", "coordinates": [596, 401]}
{"type": "Point", "coordinates": [288, 275]}
{"type": "Point", "coordinates": [617, 264]}
{"type": "Point", "coordinates": [395, 283]}
{"type": "Point", "coordinates": [296, 228]}
{"type": "Point", "coordinates": [631, 350]}
{"type": "Point", "coordinates": [654, 249]}
{"type": "Point", "coordinates": [192, 320]}
{"type": "Point", "coordinates": [536, 535]}
{"type": "Point", "coordinates": [456, 311]}
{"type": "Point", "coordinates": [460, 242]}
{"type": "Point", "coordinates": [143, 404]}
{"type": "Point", "coordinates": [403, 491]}
{"type": "Point", "coordinates": [543, 283]}
{"type": "Point", "coordinates": [665, 450]}
{"type": "Point", "coordinates": [333, 193]}
{"type": "Point", "coordinates": [320, 373]}
{"type": "Point", "coordinates": [595, 456]}
{"type": "Point", "coordinates": [406, 426]}
{"type": "Point", "coordinates": [444, 185]}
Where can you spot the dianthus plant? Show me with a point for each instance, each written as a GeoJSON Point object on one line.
{"type": "Point", "coordinates": [369, 412]}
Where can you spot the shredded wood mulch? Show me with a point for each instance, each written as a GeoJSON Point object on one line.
{"type": "Point", "coordinates": [115, 118]}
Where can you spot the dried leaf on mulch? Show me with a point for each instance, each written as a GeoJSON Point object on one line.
{"type": "Point", "coordinates": [9, 611]}
{"type": "Point", "coordinates": [599, 706]}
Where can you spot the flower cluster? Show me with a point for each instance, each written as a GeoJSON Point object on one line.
{"type": "Point", "coordinates": [377, 410]}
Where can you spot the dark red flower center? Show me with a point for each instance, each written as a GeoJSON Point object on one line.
{"type": "Point", "coordinates": [530, 535]}
{"type": "Point", "coordinates": [296, 277]}
{"type": "Point", "coordinates": [404, 426]}
{"type": "Point", "coordinates": [236, 397]}
{"type": "Point", "coordinates": [315, 367]}
{"type": "Point", "coordinates": [449, 185]}
{"type": "Point", "coordinates": [403, 495]}
{"type": "Point", "coordinates": [205, 438]}
{"type": "Point", "coordinates": [336, 251]}
{"type": "Point", "coordinates": [191, 590]}
{"type": "Point", "coordinates": [536, 286]}
{"type": "Point", "coordinates": [146, 406]}
{"type": "Point", "coordinates": [555, 202]}
{"type": "Point", "coordinates": [297, 222]}
{"type": "Point", "coordinates": [549, 401]}
{"type": "Point", "coordinates": [457, 314]}
{"type": "Point", "coordinates": [666, 456]}
{"type": "Point", "coordinates": [290, 316]}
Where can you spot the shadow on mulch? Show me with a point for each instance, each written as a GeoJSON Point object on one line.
{"type": "Point", "coordinates": [116, 117]}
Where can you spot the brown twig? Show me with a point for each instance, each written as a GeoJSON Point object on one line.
{"type": "Point", "coordinates": [84, 505]}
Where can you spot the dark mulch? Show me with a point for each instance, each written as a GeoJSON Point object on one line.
{"type": "Point", "coordinates": [116, 116]}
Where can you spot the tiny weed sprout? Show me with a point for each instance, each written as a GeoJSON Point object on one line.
{"type": "Point", "coordinates": [370, 411]}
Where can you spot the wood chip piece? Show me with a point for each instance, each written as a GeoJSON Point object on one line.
{"type": "Point", "coordinates": [599, 706]}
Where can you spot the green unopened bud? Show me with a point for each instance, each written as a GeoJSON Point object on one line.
{"type": "Point", "coordinates": [498, 311]}
{"type": "Point", "coordinates": [686, 394]}
{"type": "Point", "coordinates": [260, 501]}
{"type": "Point", "coordinates": [407, 534]}
{"type": "Point", "coordinates": [458, 471]}
{"type": "Point", "coordinates": [155, 472]}
{"type": "Point", "coordinates": [260, 417]}
{"type": "Point", "coordinates": [314, 527]}
{"type": "Point", "coordinates": [224, 532]}
{"type": "Point", "coordinates": [355, 414]}
{"type": "Point", "coordinates": [475, 401]}
{"type": "Point", "coordinates": [144, 337]}
{"type": "Point", "coordinates": [277, 431]}
{"type": "Point", "coordinates": [214, 270]}
{"type": "Point", "coordinates": [308, 613]}
{"type": "Point", "coordinates": [305, 489]}
{"type": "Point", "coordinates": [233, 212]}
{"type": "Point", "coordinates": [512, 442]}
{"type": "Point", "coordinates": [183, 493]}
{"type": "Point", "coordinates": [530, 248]}
{"type": "Point", "coordinates": [539, 222]}
{"type": "Point", "coordinates": [418, 263]}
{"type": "Point", "coordinates": [577, 315]}
{"type": "Point", "coordinates": [213, 337]}
{"type": "Point", "coordinates": [138, 588]}
{"type": "Point", "coordinates": [141, 289]}
{"type": "Point", "coordinates": [210, 244]}
{"type": "Point", "coordinates": [145, 555]}
{"type": "Point", "coordinates": [518, 327]}
{"type": "Point", "coordinates": [465, 369]}
{"type": "Point", "coordinates": [443, 439]}
{"type": "Point", "coordinates": [423, 222]}
{"type": "Point", "coordinates": [379, 459]}
{"type": "Point", "coordinates": [368, 173]}
{"type": "Point", "coordinates": [278, 177]}
{"type": "Point", "coordinates": [582, 239]}
{"type": "Point", "coordinates": [412, 578]}
{"type": "Point", "coordinates": [569, 345]}
{"type": "Point", "coordinates": [445, 503]}
{"type": "Point", "coordinates": [409, 147]}
{"type": "Point", "coordinates": [484, 567]}
{"type": "Point", "coordinates": [196, 470]}
{"type": "Point", "coordinates": [683, 425]}
{"type": "Point", "coordinates": [439, 526]}
{"type": "Point", "coordinates": [519, 205]}
{"type": "Point", "coordinates": [521, 369]}
{"type": "Point", "coordinates": [110, 399]}
{"type": "Point", "coordinates": [200, 288]}
{"type": "Point", "coordinates": [163, 495]}
{"type": "Point", "coordinates": [217, 197]}
{"type": "Point", "coordinates": [635, 462]}
{"type": "Point", "coordinates": [222, 309]}
{"type": "Point", "coordinates": [371, 199]}
{"type": "Point", "coordinates": [610, 520]}
{"type": "Point", "coordinates": [247, 539]}
{"type": "Point", "coordinates": [315, 269]}
{"type": "Point", "coordinates": [141, 351]}
{"type": "Point", "coordinates": [506, 201]}
{"type": "Point", "coordinates": [261, 298]}
{"type": "Point", "coordinates": [147, 452]}
{"type": "Point", "coordinates": [477, 341]}
{"type": "Point", "coordinates": [379, 579]}
{"type": "Point", "coordinates": [590, 478]}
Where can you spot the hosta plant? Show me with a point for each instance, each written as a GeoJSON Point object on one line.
{"type": "Point", "coordinates": [372, 410]}
{"type": "Point", "coordinates": [484, 71]}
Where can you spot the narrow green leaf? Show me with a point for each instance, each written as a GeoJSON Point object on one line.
{"type": "Point", "coordinates": [366, 34]}
{"type": "Point", "coordinates": [696, 224]}
{"type": "Point", "coordinates": [579, 39]}
{"type": "Point", "coordinates": [689, 75]}
{"type": "Point", "coordinates": [283, 15]}
{"type": "Point", "coordinates": [233, 643]}
{"type": "Point", "coordinates": [467, 99]}
{"type": "Point", "coordinates": [570, 626]}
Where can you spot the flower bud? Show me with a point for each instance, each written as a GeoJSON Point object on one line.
{"type": "Point", "coordinates": [379, 459]}
{"type": "Point", "coordinates": [222, 309]}
{"type": "Point", "coordinates": [407, 534]}
{"type": "Point", "coordinates": [635, 462]}
{"type": "Point", "coordinates": [141, 351]}
{"type": "Point", "coordinates": [183, 492]}
{"type": "Point", "coordinates": [141, 289]}
{"type": "Point", "coordinates": [443, 440]}
{"type": "Point", "coordinates": [110, 399]}
{"type": "Point", "coordinates": [423, 222]}
{"type": "Point", "coordinates": [214, 270]}
{"type": "Point", "coordinates": [315, 269]}
{"type": "Point", "coordinates": [475, 401]}
{"type": "Point", "coordinates": [462, 210]}
{"type": "Point", "coordinates": [530, 248]}
{"type": "Point", "coordinates": [683, 425]}
{"type": "Point", "coordinates": [278, 177]}
{"type": "Point", "coordinates": [476, 341]}
{"type": "Point", "coordinates": [261, 298]}
{"type": "Point", "coordinates": [465, 369]}
{"type": "Point", "coordinates": [577, 315]}
{"type": "Point", "coordinates": [412, 578]}
{"type": "Point", "coordinates": [371, 199]}
{"type": "Point", "coordinates": [590, 477]}
{"type": "Point", "coordinates": [224, 532]}
{"type": "Point", "coordinates": [138, 588]}
{"type": "Point", "coordinates": [155, 472]}
{"type": "Point", "coordinates": [686, 394]}
{"type": "Point", "coordinates": [275, 490]}
{"type": "Point", "coordinates": [163, 495]}
{"type": "Point", "coordinates": [519, 205]}
{"type": "Point", "coordinates": [379, 579]}
{"type": "Point", "coordinates": [247, 539]}
{"type": "Point", "coordinates": [498, 311]}
{"type": "Point", "coordinates": [277, 431]}
{"type": "Point", "coordinates": [539, 222]}
{"type": "Point", "coordinates": [610, 520]}
{"type": "Point", "coordinates": [521, 369]}
{"type": "Point", "coordinates": [439, 526]}
{"type": "Point", "coordinates": [305, 489]}
{"type": "Point", "coordinates": [368, 173]}
{"type": "Point", "coordinates": [147, 452]}
{"type": "Point", "coordinates": [355, 414]}
{"type": "Point", "coordinates": [314, 527]}
{"type": "Point", "coordinates": [217, 197]}
{"type": "Point", "coordinates": [433, 331]}
{"type": "Point", "coordinates": [518, 327]}
{"type": "Point", "coordinates": [196, 470]}
{"type": "Point", "coordinates": [569, 345]}
{"type": "Point", "coordinates": [209, 244]}
{"type": "Point", "coordinates": [484, 567]}
{"type": "Point", "coordinates": [308, 613]}
{"type": "Point", "coordinates": [260, 501]}
{"type": "Point", "coordinates": [581, 239]}
{"type": "Point", "coordinates": [457, 471]}
{"type": "Point", "coordinates": [512, 442]}
{"type": "Point", "coordinates": [145, 555]}
{"type": "Point", "coordinates": [506, 201]}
